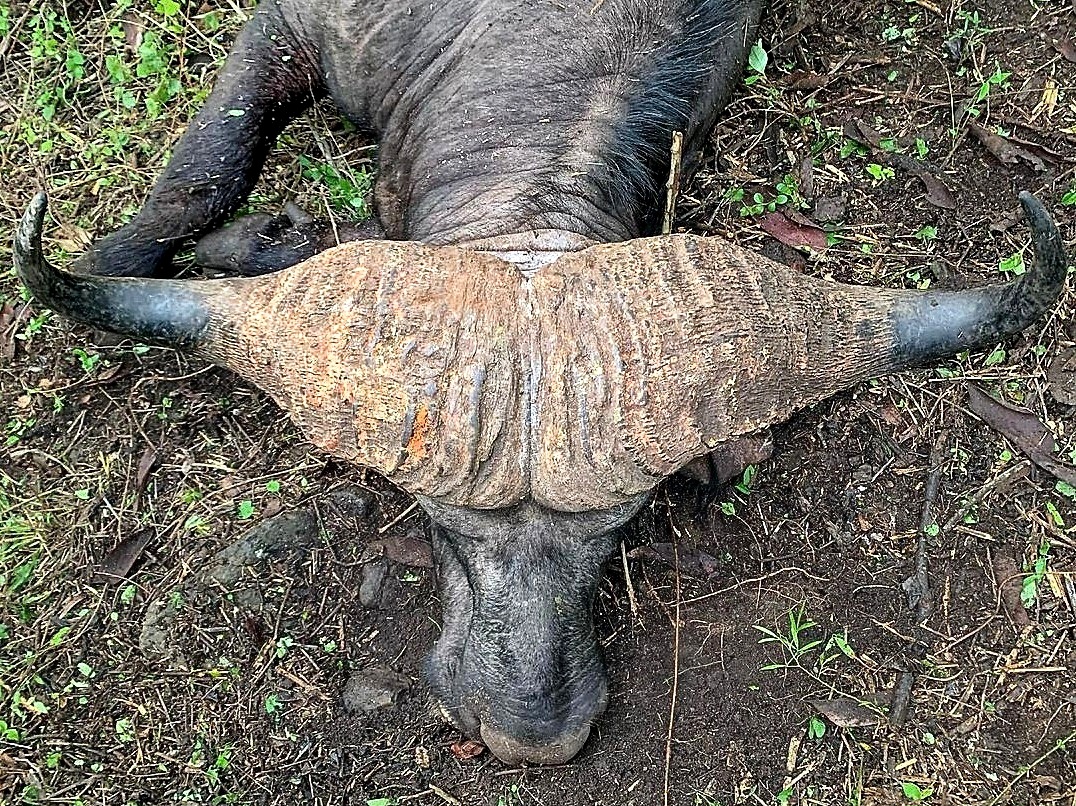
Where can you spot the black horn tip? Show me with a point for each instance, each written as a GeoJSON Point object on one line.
{"type": "Point", "coordinates": [1050, 260]}
{"type": "Point", "coordinates": [1035, 212]}
{"type": "Point", "coordinates": [30, 263]}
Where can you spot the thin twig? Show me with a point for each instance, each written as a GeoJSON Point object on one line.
{"type": "Point", "coordinates": [676, 659]}
{"type": "Point", "coordinates": [672, 186]}
{"type": "Point", "coordinates": [919, 584]}
{"type": "Point", "coordinates": [627, 579]}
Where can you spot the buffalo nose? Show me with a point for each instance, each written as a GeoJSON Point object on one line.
{"type": "Point", "coordinates": [555, 751]}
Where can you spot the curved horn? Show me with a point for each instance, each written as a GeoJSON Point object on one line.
{"type": "Point", "coordinates": [935, 324]}
{"type": "Point", "coordinates": [164, 312]}
{"type": "Point", "coordinates": [396, 356]}
{"type": "Point", "coordinates": [669, 346]}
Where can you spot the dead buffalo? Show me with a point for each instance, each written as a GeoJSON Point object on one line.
{"type": "Point", "coordinates": [517, 354]}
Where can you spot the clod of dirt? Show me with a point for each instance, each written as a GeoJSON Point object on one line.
{"type": "Point", "coordinates": [1062, 377]}
{"type": "Point", "coordinates": [351, 502]}
{"type": "Point", "coordinates": [372, 689]}
{"type": "Point", "coordinates": [372, 580]}
{"type": "Point", "coordinates": [288, 530]}
{"type": "Point", "coordinates": [831, 209]}
{"type": "Point", "coordinates": [270, 539]}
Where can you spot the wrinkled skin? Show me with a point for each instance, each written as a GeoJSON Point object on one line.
{"type": "Point", "coordinates": [524, 127]}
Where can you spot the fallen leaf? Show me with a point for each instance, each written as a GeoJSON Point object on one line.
{"type": "Point", "coordinates": [846, 712]}
{"type": "Point", "coordinates": [1023, 429]}
{"type": "Point", "coordinates": [1010, 581]}
{"type": "Point", "coordinates": [804, 80]}
{"type": "Point", "coordinates": [115, 565]}
{"type": "Point", "coordinates": [806, 175]}
{"type": "Point", "coordinates": [794, 234]}
{"type": "Point", "coordinates": [8, 325]}
{"type": "Point", "coordinates": [406, 550]}
{"type": "Point", "coordinates": [1011, 151]}
{"type": "Point", "coordinates": [132, 31]}
{"type": "Point", "coordinates": [728, 460]}
{"type": "Point", "coordinates": [145, 467]}
{"type": "Point", "coordinates": [1062, 377]}
{"type": "Point", "coordinates": [1067, 48]}
{"type": "Point", "coordinates": [466, 749]}
{"type": "Point", "coordinates": [936, 191]}
{"type": "Point", "coordinates": [73, 238]}
{"type": "Point", "coordinates": [693, 562]}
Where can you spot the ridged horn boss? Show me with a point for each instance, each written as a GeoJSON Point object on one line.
{"type": "Point", "coordinates": [579, 386]}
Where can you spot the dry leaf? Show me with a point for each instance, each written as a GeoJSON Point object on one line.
{"type": "Point", "coordinates": [115, 565]}
{"type": "Point", "coordinates": [1062, 377]}
{"type": "Point", "coordinates": [7, 330]}
{"type": "Point", "coordinates": [145, 467]}
{"type": "Point", "coordinates": [936, 191]}
{"type": "Point", "coordinates": [1023, 429]}
{"type": "Point", "coordinates": [1011, 151]}
{"type": "Point", "coordinates": [412, 551]}
{"type": "Point", "coordinates": [1067, 48]}
{"type": "Point", "coordinates": [132, 31]}
{"type": "Point", "coordinates": [845, 712]}
{"type": "Point", "coordinates": [1010, 581]}
{"type": "Point", "coordinates": [794, 234]}
{"type": "Point", "coordinates": [468, 748]}
{"type": "Point", "coordinates": [693, 562]}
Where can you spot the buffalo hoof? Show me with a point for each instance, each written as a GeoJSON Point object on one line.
{"type": "Point", "coordinates": [261, 243]}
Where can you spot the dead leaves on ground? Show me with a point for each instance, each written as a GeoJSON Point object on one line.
{"type": "Point", "coordinates": [1023, 429]}
{"type": "Point", "coordinates": [1012, 151]}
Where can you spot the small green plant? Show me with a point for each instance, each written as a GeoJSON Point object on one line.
{"type": "Point", "coordinates": [88, 361]}
{"type": "Point", "coordinates": [757, 61]}
{"type": "Point", "coordinates": [283, 644]}
{"type": "Point", "coordinates": [510, 796]}
{"type": "Point", "coordinates": [914, 792]}
{"type": "Point", "coordinates": [795, 643]}
{"type": "Point", "coordinates": [927, 233]}
{"type": "Point", "coordinates": [245, 510]}
{"type": "Point", "coordinates": [381, 802]}
{"type": "Point", "coordinates": [273, 705]}
{"type": "Point", "coordinates": [816, 728]}
{"type": "Point", "coordinates": [345, 193]}
{"type": "Point", "coordinates": [880, 173]}
{"type": "Point", "coordinates": [744, 484]}
{"type": "Point", "coordinates": [272, 486]}
{"type": "Point", "coordinates": [1014, 264]}
{"type": "Point", "coordinates": [1029, 590]}
{"type": "Point", "coordinates": [125, 730]}
{"type": "Point", "coordinates": [999, 79]}
{"type": "Point", "coordinates": [1069, 197]}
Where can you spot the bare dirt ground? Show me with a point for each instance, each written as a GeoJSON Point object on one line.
{"type": "Point", "coordinates": [157, 645]}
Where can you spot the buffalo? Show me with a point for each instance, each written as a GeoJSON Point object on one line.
{"type": "Point", "coordinates": [520, 350]}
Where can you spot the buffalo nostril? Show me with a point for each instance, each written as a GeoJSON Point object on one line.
{"type": "Point", "coordinates": [556, 751]}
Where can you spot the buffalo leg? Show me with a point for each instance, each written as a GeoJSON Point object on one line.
{"type": "Point", "coordinates": [268, 79]}
{"type": "Point", "coordinates": [261, 243]}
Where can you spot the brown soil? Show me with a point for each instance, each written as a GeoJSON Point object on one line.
{"type": "Point", "coordinates": [233, 692]}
